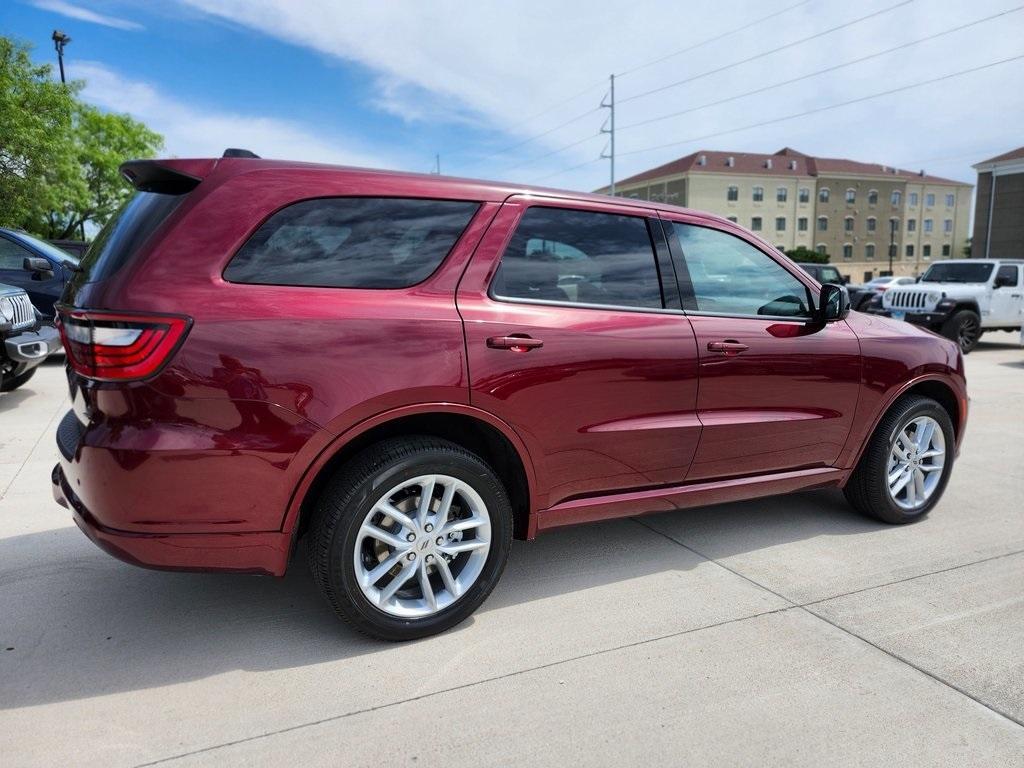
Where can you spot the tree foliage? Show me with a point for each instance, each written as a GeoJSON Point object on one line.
{"type": "Point", "coordinates": [66, 152]}
{"type": "Point", "coordinates": [807, 256]}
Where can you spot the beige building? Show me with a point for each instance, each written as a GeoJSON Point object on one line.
{"type": "Point", "coordinates": [847, 209]}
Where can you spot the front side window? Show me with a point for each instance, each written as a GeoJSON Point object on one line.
{"type": "Point", "coordinates": [805, 195]}
{"type": "Point", "coordinates": [352, 242]}
{"type": "Point", "coordinates": [579, 257]}
{"type": "Point", "coordinates": [12, 255]}
{"type": "Point", "coordinates": [758, 194]}
{"type": "Point", "coordinates": [730, 276]}
{"type": "Point", "coordinates": [755, 223]}
{"type": "Point", "coordinates": [823, 195]}
{"type": "Point", "coordinates": [1007, 274]}
{"type": "Point", "coordinates": [732, 194]}
{"type": "Point", "coordinates": [781, 194]}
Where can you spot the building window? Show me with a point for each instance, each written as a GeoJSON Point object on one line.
{"type": "Point", "coordinates": [821, 249]}
{"type": "Point", "coordinates": [945, 250]}
{"type": "Point", "coordinates": [781, 194]}
{"type": "Point", "coordinates": [910, 251]}
{"type": "Point", "coordinates": [848, 224]}
{"type": "Point", "coordinates": [733, 219]}
{"type": "Point", "coordinates": [926, 251]}
{"type": "Point", "coordinates": [801, 224]}
{"type": "Point", "coordinates": [912, 199]}
{"type": "Point", "coordinates": [780, 224]}
{"type": "Point", "coordinates": [897, 197]}
{"type": "Point", "coordinates": [911, 225]}
{"type": "Point", "coordinates": [823, 195]}
{"type": "Point", "coordinates": [872, 197]}
{"type": "Point", "coordinates": [755, 223]}
{"type": "Point", "coordinates": [733, 194]}
{"type": "Point", "coordinates": [872, 224]}
{"type": "Point", "coordinates": [929, 200]}
{"type": "Point", "coordinates": [950, 201]}
{"type": "Point", "coordinates": [869, 251]}
{"type": "Point", "coordinates": [847, 251]}
{"type": "Point", "coordinates": [894, 224]}
{"type": "Point", "coordinates": [927, 225]}
{"type": "Point", "coordinates": [780, 248]}
{"type": "Point", "coordinates": [758, 194]}
{"type": "Point", "coordinates": [805, 195]}
{"type": "Point", "coordinates": [947, 226]}
{"type": "Point", "coordinates": [851, 196]}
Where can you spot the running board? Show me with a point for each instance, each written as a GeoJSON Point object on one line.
{"type": "Point", "coordinates": [595, 508]}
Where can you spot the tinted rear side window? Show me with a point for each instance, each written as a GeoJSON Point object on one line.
{"type": "Point", "coordinates": [352, 242]}
{"type": "Point", "coordinates": [580, 257]}
{"type": "Point", "coordinates": [125, 232]}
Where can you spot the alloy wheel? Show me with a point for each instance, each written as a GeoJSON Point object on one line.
{"type": "Point", "coordinates": [422, 546]}
{"type": "Point", "coordinates": [916, 460]}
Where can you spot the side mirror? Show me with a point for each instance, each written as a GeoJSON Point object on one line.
{"type": "Point", "coordinates": [833, 303]}
{"type": "Point", "coordinates": [38, 265]}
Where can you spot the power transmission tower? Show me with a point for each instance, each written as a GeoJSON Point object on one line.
{"type": "Point", "coordinates": [609, 128]}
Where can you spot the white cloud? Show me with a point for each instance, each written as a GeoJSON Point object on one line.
{"type": "Point", "coordinates": [195, 131]}
{"type": "Point", "coordinates": [84, 14]}
{"type": "Point", "coordinates": [498, 64]}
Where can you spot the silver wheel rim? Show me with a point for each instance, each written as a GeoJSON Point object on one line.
{"type": "Point", "coordinates": [422, 546]}
{"type": "Point", "coordinates": [915, 463]}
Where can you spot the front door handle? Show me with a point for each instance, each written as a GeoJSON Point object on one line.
{"type": "Point", "coordinates": [515, 343]}
{"type": "Point", "coordinates": [729, 347]}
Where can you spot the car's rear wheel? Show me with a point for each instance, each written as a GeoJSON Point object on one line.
{"type": "Point", "coordinates": [964, 328]}
{"type": "Point", "coordinates": [906, 465]}
{"type": "Point", "coordinates": [410, 537]}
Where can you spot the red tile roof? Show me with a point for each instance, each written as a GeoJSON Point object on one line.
{"type": "Point", "coordinates": [785, 162]}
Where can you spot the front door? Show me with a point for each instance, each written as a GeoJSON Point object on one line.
{"type": "Point", "coordinates": [573, 340]}
{"type": "Point", "coordinates": [777, 391]}
{"type": "Point", "coordinates": [1007, 304]}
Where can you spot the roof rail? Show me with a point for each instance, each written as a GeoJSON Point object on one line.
{"type": "Point", "coordinates": [233, 152]}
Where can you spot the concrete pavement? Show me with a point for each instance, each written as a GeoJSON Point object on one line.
{"type": "Point", "coordinates": [785, 631]}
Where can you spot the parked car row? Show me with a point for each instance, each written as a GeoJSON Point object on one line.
{"type": "Point", "coordinates": [39, 268]}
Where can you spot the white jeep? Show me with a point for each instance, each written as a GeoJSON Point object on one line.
{"type": "Point", "coordinates": [962, 298]}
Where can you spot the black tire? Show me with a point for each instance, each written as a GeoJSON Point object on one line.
{"type": "Point", "coordinates": [351, 494]}
{"type": "Point", "coordinates": [12, 383]}
{"type": "Point", "coordinates": [964, 327]}
{"type": "Point", "coordinates": [867, 489]}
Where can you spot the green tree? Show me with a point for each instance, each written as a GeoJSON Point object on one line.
{"type": "Point", "coordinates": [807, 256]}
{"type": "Point", "coordinates": [35, 120]}
{"type": "Point", "coordinates": [84, 184]}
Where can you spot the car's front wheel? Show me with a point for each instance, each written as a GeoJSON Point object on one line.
{"type": "Point", "coordinates": [11, 383]}
{"type": "Point", "coordinates": [906, 465]}
{"type": "Point", "coordinates": [410, 537]}
{"type": "Point", "coordinates": [964, 328]}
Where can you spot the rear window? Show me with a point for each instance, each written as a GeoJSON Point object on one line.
{"type": "Point", "coordinates": [352, 242]}
{"type": "Point", "coordinates": [125, 233]}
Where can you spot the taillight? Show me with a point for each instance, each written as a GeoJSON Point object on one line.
{"type": "Point", "coordinates": [111, 346]}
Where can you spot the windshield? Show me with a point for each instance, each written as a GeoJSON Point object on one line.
{"type": "Point", "coordinates": [55, 253]}
{"type": "Point", "coordinates": [958, 273]}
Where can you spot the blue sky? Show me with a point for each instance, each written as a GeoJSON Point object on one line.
{"type": "Point", "coordinates": [388, 84]}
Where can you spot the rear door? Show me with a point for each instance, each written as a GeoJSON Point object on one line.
{"type": "Point", "coordinates": [777, 392]}
{"type": "Point", "coordinates": [575, 336]}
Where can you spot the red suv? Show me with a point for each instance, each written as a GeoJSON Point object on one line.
{"type": "Point", "coordinates": [407, 371]}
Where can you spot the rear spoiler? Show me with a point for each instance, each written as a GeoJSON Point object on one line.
{"type": "Point", "coordinates": [168, 177]}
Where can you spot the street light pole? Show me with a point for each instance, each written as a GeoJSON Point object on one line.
{"type": "Point", "coordinates": [59, 41]}
{"type": "Point", "coordinates": [892, 242]}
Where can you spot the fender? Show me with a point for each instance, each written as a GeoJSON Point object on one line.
{"type": "Point", "coordinates": [958, 391]}
{"type": "Point", "coordinates": [289, 524]}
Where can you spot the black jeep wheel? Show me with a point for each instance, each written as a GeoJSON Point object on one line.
{"type": "Point", "coordinates": [964, 328]}
{"type": "Point", "coordinates": [11, 383]}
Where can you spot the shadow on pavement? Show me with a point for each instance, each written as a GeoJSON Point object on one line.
{"type": "Point", "coordinates": [106, 627]}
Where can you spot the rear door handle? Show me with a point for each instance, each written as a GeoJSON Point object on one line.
{"type": "Point", "coordinates": [515, 343]}
{"type": "Point", "coordinates": [729, 347]}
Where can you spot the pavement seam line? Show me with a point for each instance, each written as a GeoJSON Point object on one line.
{"type": "Point", "coordinates": [35, 445]}
{"type": "Point", "coordinates": [805, 607]}
{"type": "Point", "coordinates": [484, 681]}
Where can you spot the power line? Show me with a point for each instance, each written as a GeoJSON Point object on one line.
{"type": "Point", "coordinates": [820, 71]}
{"type": "Point", "coordinates": [709, 40]}
{"type": "Point", "coordinates": [588, 137]}
{"type": "Point", "coordinates": [755, 57]}
{"type": "Point", "coordinates": [828, 107]}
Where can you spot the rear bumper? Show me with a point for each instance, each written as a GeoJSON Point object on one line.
{"type": "Point", "coordinates": [264, 553]}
